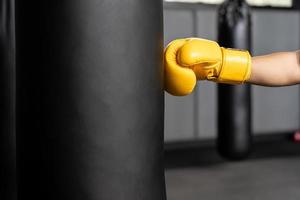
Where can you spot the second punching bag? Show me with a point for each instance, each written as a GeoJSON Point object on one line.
{"type": "Point", "coordinates": [234, 102]}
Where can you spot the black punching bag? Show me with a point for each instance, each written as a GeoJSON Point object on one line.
{"type": "Point", "coordinates": [90, 99]}
{"type": "Point", "coordinates": [7, 102]}
{"type": "Point", "coordinates": [234, 102]}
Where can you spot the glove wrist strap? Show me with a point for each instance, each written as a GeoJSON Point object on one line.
{"type": "Point", "coordinates": [236, 66]}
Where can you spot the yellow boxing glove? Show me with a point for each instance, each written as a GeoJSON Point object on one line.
{"type": "Point", "coordinates": [193, 58]}
{"type": "Point", "coordinates": [179, 81]}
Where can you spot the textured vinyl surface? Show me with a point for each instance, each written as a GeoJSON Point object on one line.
{"type": "Point", "coordinates": [90, 100]}
{"type": "Point", "coordinates": [7, 102]}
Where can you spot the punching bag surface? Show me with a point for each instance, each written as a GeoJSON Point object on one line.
{"type": "Point", "coordinates": [7, 102]}
{"type": "Point", "coordinates": [91, 101]}
{"type": "Point", "coordinates": [234, 106]}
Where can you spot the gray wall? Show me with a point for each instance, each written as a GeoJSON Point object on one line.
{"type": "Point", "coordinates": [274, 109]}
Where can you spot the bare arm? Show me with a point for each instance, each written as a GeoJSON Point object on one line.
{"type": "Point", "coordinates": [276, 69]}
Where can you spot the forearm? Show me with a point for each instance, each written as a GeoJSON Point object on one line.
{"type": "Point", "coordinates": [276, 69]}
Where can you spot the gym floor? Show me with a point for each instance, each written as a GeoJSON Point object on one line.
{"type": "Point", "coordinates": [271, 173]}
